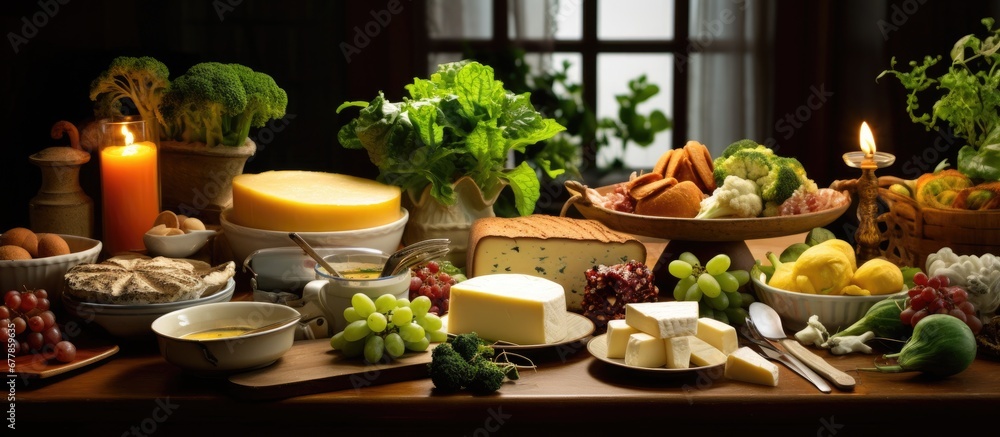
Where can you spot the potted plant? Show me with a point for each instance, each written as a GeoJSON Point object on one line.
{"type": "Point", "coordinates": [447, 147]}
{"type": "Point", "coordinates": [202, 121]}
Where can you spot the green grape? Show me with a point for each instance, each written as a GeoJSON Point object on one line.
{"type": "Point", "coordinates": [693, 293]}
{"type": "Point", "coordinates": [402, 316]}
{"type": "Point", "coordinates": [374, 348]}
{"type": "Point", "coordinates": [402, 302]}
{"type": "Point", "coordinates": [720, 316]}
{"type": "Point", "coordinates": [742, 276]}
{"type": "Point", "coordinates": [353, 349]}
{"type": "Point", "coordinates": [746, 299]}
{"type": "Point", "coordinates": [377, 322]}
{"type": "Point", "coordinates": [337, 341]}
{"type": "Point", "coordinates": [394, 345]}
{"type": "Point", "coordinates": [705, 310]}
{"type": "Point", "coordinates": [680, 290]}
{"type": "Point", "coordinates": [719, 302]}
{"type": "Point", "coordinates": [689, 258]}
{"type": "Point", "coordinates": [737, 316]}
{"type": "Point", "coordinates": [430, 322]}
{"type": "Point", "coordinates": [363, 304]}
{"type": "Point", "coordinates": [735, 299]}
{"type": "Point", "coordinates": [417, 346]}
{"type": "Point", "coordinates": [420, 305]}
{"type": "Point", "coordinates": [411, 332]}
{"type": "Point", "coordinates": [385, 302]}
{"type": "Point", "coordinates": [718, 264]}
{"type": "Point", "coordinates": [709, 285]}
{"type": "Point", "coordinates": [438, 336]}
{"type": "Point", "coordinates": [356, 330]}
{"type": "Point", "coordinates": [727, 282]}
{"type": "Point", "coordinates": [351, 314]}
{"type": "Point", "coordinates": [679, 268]}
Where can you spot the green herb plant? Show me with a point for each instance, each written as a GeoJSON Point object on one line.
{"type": "Point", "coordinates": [632, 125]}
{"type": "Point", "coordinates": [970, 99]}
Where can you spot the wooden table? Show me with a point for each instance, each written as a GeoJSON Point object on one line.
{"type": "Point", "coordinates": [137, 393]}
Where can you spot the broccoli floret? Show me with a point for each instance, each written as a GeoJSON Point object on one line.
{"type": "Point", "coordinates": [448, 370]}
{"type": "Point", "coordinates": [143, 81]}
{"type": "Point", "coordinates": [218, 103]}
{"type": "Point", "coordinates": [751, 164]}
{"type": "Point", "coordinates": [739, 145]}
{"type": "Point", "coordinates": [487, 377]}
{"type": "Point", "coordinates": [779, 183]}
{"type": "Point", "coordinates": [470, 346]}
{"type": "Point", "coordinates": [736, 197]}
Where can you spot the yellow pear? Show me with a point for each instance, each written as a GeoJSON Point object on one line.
{"type": "Point", "coordinates": [826, 269]}
{"type": "Point", "coordinates": [844, 247]}
{"type": "Point", "coordinates": [879, 276]}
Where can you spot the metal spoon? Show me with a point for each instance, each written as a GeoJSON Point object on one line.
{"type": "Point", "coordinates": [768, 323]}
{"type": "Point", "coordinates": [394, 259]}
{"type": "Point", "coordinates": [312, 253]}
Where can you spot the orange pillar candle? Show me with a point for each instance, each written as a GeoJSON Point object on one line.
{"type": "Point", "coordinates": [129, 187]}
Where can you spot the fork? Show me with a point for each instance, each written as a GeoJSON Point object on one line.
{"type": "Point", "coordinates": [770, 351]}
{"type": "Point", "coordinates": [394, 260]}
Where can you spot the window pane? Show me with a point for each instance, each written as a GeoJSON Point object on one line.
{"type": "Point", "coordinates": [460, 19]}
{"type": "Point", "coordinates": [569, 19]}
{"type": "Point", "coordinates": [614, 71]}
{"type": "Point", "coordinates": [530, 19]}
{"type": "Point", "coordinates": [635, 19]}
{"type": "Point", "coordinates": [574, 75]}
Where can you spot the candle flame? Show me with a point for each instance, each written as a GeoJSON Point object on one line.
{"type": "Point", "coordinates": [867, 140]}
{"type": "Point", "coordinates": [130, 149]}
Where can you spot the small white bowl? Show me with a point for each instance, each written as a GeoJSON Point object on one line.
{"type": "Point", "coordinates": [245, 241]}
{"type": "Point", "coordinates": [176, 246]}
{"type": "Point", "coordinates": [334, 293]}
{"type": "Point", "coordinates": [225, 355]}
{"type": "Point", "coordinates": [835, 312]}
{"type": "Point", "coordinates": [48, 272]}
{"type": "Point", "coordinates": [132, 322]}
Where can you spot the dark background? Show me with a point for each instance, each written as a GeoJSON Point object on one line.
{"type": "Point", "coordinates": [836, 46]}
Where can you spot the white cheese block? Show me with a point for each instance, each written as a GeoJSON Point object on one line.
{"type": "Point", "coordinates": [645, 350]}
{"type": "Point", "coordinates": [557, 248]}
{"type": "Point", "coordinates": [704, 354]}
{"type": "Point", "coordinates": [719, 334]}
{"type": "Point", "coordinates": [663, 319]}
{"type": "Point", "coordinates": [618, 333]}
{"type": "Point", "coordinates": [678, 352]}
{"type": "Point", "coordinates": [521, 309]}
{"type": "Point", "coordinates": [748, 366]}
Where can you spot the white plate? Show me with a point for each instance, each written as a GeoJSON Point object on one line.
{"type": "Point", "coordinates": [598, 347]}
{"type": "Point", "coordinates": [578, 327]}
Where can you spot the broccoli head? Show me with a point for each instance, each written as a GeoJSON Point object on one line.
{"type": "Point", "coordinates": [779, 183]}
{"type": "Point", "coordinates": [142, 81]}
{"type": "Point", "coordinates": [449, 371]}
{"type": "Point", "coordinates": [487, 376]}
{"type": "Point", "coordinates": [748, 163]}
{"type": "Point", "coordinates": [470, 346]}
{"type": "Point", "coordinates": [739, 145]}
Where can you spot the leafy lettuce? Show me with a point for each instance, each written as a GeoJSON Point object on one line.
{"type": "Point", "coordinates": [460, 122]}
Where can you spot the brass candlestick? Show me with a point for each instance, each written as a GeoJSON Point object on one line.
{"type": "Point", "coordinates": [868, 239]}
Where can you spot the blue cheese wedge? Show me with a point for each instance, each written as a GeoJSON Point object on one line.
{"type": "Point", "coordinates": [746, 365]}
{"type": "Point", "coordinates": [663, 319]}
{"type": "Point", "coordinates": [515, 308]}
{"type": "Point", "coordinates": [560, 249]}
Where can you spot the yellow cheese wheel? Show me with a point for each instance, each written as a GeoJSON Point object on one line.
{"type": "Point", "coordinates": [307, 201]}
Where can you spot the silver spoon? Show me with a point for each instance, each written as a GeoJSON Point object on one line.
{"type": "Point", "coordinates": [312, 253]}
{"type": "Point", "coordinates": [394, 260]}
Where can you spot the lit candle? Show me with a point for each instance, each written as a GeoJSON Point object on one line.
{"type": "Point", "coordinates": [867, 141]}
{"type": "Point", "coordinates": [867, 237]}
{"type": "Point", "coordinates": [129, 187]}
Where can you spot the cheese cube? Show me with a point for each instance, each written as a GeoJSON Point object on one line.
{"type": "Point", "coordinates": [557, 248]}
{"type": "Point", "coordinates": [719, 334]}
{"type": "Point", "coordinates": [645, 350]}
{"type": "Point", "coordinates": [663, 319]}
{"type": "Point", "coordinates": [748, 366]}
{"type": "Point", "coordinates": [516, 308]}
{"type": "Point", "coordinates": [678, 352]}
{"type": "Point", "coordinates": [617, 338]}
{"type": "Point", "coordinates": [704, 354]}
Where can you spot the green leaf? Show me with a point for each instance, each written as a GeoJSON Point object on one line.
{"type": "Point", "coordinates": [983, 164]}
{"type": "Point", "coordinates": [524, 183]}
{"type": "Point", "coordinates": [358, 103]}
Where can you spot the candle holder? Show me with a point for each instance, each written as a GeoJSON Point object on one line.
{"type": "Point", "coordinates": [130, 187]}
{"type": "Point", "coordinates": [867, 237]}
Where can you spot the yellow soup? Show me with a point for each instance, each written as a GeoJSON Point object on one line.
{"type": "Point", "coordinates": [217, 333]}
{"type": "Point", "coordinates": [355, 270]}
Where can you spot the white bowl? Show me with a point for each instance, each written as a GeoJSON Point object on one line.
{"type": "Point", "coordinates": [334, 293]}
{"type": "Point", "coordinates": [245, 241]}
{"type": "Point", "coordinates": [225, 355]}
{"type": "Point", "coordinates": [132, 322]}
{"type": "Point", "coordinates": [176, 246]}
{"type": "Point", "coordinates": [835, 312]}
{"type": "Point", "coordinates": [48, 272]}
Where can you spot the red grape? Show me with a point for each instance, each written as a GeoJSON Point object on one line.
{"type": "Point", "coordinates": [65, 351]}
{"type": "Point", "coordinates": [906, 315]}
{"type": "Point", "coordinates": [920, 278]}
{"type": "Point", "coordinates": [19, 325]}
{"type": "Point", "coordinates": [41, 293]}
{"type": "Point", "coordinates": [35, 341]}
{"type": "Point", "coordinates": [934, 282]}
{"type": "Point", "coordinates": [4, 313]}
{"type": "Point", "coordinates": [935, 295]}
{"type": "Point", "coordinates": [52, 335]}
{"type": "Point", "coordinates": [28, 301]}
{"type": "Point", "coordinates": [49, 318]}
{"type": "Point", "coordinates": [43, 304]}
{"type": "Point", "coordinates": [12, 299]}
{"type": "Point", "coordinates": [31, 309]}
{"type": "Point", "coordinates": [36, 323]}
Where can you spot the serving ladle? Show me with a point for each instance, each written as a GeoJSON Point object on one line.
{"type": "Point", "coordinates": [312, 254]}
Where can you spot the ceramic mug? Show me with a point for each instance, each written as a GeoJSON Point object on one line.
{"type": "Point", "coordinates": [333, 294]}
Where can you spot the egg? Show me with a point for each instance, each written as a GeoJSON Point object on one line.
{"type": "Point", "coordinates": [10, 252]}
{"type": "Point", "coordinates": [22, 237]}
{"type": "Point", "coordinates": [52, 245]}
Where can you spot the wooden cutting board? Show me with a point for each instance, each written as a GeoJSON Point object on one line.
{"type": "Point", "coordinates": [310, 367]}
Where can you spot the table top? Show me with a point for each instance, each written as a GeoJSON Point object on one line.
{"type": "Point", "coordinates": [137, 392]}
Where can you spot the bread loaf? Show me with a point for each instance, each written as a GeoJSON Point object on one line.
{"type": "Point", "coordinates": [560, 249]}
{"type": "Point", "coordinates": [135, 279]}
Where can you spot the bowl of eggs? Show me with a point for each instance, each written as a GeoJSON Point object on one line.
{"type": "Point", "coordinates": [176, 236]}
{"type": "Point", "coordinates": [30, 260]}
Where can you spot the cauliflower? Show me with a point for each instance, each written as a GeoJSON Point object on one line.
{"type": "Point", "coordinates": [776, 177]}
{"type": "Point", "coordinates": [978, 274]}
{"type": "Point", "coordinates": [736, 197]}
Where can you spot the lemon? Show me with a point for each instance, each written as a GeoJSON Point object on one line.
{"type": "Point", "coordinates": [844, 247]}
{"type": "Point", "coordinates": [825, 268]}
{"type": "Point", "coordinates": [878, 276]}
{"type": "Point", "coordinates": [854, 290]}
{"type": "Point", "coordinates": [784, 277]}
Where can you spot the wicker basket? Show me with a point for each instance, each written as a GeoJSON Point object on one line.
{"type": "Point", "coordinates": [913, 232]}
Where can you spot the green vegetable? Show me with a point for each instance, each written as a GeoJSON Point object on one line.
{"type": "Point", "coordinates": [736, 197]}
{"type": "Point", "coordinates": [776, 177]}
{"type": "Point", "coordinates": [941, 345]}
{"type": "Point", "coordinates": [141, 81]}
{"type": "Point", "coordinates": [460, 122]}
{"type": "Point", "coordinates": [466, 362]}
{"type": "Point", "coordinates": [218, 103]}
{"type": "Point", "coordinates": [819, 235]}
{"type": "Point", "coordinates": [908, 274]}
{"type": "Point", "coordinates": [631, 126]}
{"type": "Point", "coordinates": [968, 99]}
{"type": "Point", "coordinates": [792, 252]}
{"type": "Point", "coordinates": [882, 319]}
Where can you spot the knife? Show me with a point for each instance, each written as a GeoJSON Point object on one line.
{"type": "Point", "coordinates": [789, 361]}
{"type": "Point", "coordinates": [840, 379]}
